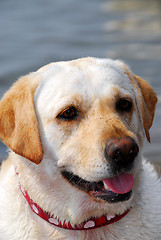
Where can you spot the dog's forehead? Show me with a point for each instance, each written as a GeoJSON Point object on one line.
{"type": "Point", "coordinates": [90, 75]}
{"type": "Point", "coordinates": [86, 79]}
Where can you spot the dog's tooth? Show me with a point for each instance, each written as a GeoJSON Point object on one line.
{"type": "Point", "coordinates": [105, 186]}
{"type": "Point", "coordinates": [109, 217]}
{"type": "Point", "coordinates": [89, 224]}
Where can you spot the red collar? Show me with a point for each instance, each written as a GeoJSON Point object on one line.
{"type": "Point", "coordinates": [88, 224]}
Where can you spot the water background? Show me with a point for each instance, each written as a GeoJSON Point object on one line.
{"type": "Point", "coordinates": [36, 32]}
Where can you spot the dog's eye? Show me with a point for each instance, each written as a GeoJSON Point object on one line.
{"type": "Point", "coordinates": [69, 113]}
{"type": "Point", "coordinates": [124, 105]}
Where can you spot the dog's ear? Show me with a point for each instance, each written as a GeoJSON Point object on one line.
{"type": "Point", "coordinates": [149, 100]}
{"type": "Point", "coordinates": [18, 122]}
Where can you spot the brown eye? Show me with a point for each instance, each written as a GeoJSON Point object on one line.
{"type": "Point", "coordinates": [124, 105]}
{"type": "Point", "coordinates": [68, 114]}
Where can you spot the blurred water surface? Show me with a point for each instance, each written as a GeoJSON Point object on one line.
{"type": "Point", "coordinates": [34, 33]}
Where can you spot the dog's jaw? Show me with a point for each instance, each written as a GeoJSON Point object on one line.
{"type": "Point", "coordinates": [111, 190]}
{"type": "Point", "coordinates": [91, 223]}
{"type": "Point", "coordinates": [74, 204]}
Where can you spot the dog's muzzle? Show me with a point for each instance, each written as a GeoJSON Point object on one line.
{"type": "Point", "coordinates": [120, 153]}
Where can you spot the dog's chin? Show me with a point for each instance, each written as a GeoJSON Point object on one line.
{"type": "Point", "coordinates": [96, 190]}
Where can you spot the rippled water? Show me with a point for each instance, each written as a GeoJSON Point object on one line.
{"type": "Point", "coordinates": [34, 33]}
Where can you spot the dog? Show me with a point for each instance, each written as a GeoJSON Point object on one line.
{"type": "Point", "coordinates": [75, 169]}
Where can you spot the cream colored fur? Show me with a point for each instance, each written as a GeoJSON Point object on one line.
{"type": "Point", "coordinates": [42, 144]}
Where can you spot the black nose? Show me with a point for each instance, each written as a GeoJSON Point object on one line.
{"type": "Point", "coordinates": [121, 151]}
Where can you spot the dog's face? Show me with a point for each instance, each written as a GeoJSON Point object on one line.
{"type": "Point", "coordinates": [88, 112]}
{"type": "Point", "coordinates": [92, 115]}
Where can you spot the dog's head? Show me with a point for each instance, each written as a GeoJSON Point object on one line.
{"type": "Point", "coordinates": [83, 121]}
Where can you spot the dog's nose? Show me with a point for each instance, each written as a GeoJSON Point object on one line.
{"type": "Point", "coordinates": [121, 151]}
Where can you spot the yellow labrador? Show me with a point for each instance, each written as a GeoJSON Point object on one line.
{"type": "Point", "coordinates": [75, 170]}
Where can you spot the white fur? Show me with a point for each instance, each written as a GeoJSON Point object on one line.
{"type": "Point", "coordinates": [86, 83]}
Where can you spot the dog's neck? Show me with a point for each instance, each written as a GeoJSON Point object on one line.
{"type": "Point", "coordinates": [94, 222]}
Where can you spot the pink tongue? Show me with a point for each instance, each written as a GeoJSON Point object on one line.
{"type": "Point", "coordinates": [121, 184]}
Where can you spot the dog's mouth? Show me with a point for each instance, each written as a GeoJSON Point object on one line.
{"type": "Point", "coordinates": [111, 190]}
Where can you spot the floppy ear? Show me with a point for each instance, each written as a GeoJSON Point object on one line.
{"type": "Point", "coordinates": [18, 122]}
{"type": "Point", "coordinates": [149, 100]}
